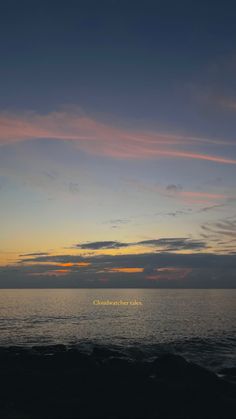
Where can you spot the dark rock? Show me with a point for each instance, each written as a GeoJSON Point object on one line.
{"type": "Point", "coordinates": [176, 369]}
{"type": "Point", "coordinates": [15, 349]}
{"type": "Point", "coordinates": [228, 371]}
{"type": "Point", "coordinates": [118, 366]}
{"type": "Point", "coordinates": [103, 352]}
{"type": "Point", "coordinates": [49, 348]}
{"type": "Point", "coordinates": [73, 384]}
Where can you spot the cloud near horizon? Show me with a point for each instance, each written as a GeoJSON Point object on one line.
{"type": "Point", "coordinates": [161, 270]}
{"type": "Point", "coordinates": [168, 244]}
{"type": "Point", "coordinates": [102, 139]}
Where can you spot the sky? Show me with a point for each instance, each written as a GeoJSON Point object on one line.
{"type": "Point", "coordinates": [117, 143]}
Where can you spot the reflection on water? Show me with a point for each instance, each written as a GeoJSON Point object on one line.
{"type": "Point", "coordinates": [201, 321]}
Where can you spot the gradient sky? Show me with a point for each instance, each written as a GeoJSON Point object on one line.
{"type": "Point", "coordinates": [117, 143]}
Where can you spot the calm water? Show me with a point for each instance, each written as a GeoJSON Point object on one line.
{"type": "Point", "coordinates": [199, 324]}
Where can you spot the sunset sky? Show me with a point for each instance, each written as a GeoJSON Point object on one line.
{"type": "Point", "coordinates": [118, 143]}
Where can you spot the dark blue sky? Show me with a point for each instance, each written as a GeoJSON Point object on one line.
{"type": "Point", "coordinates": [135, 58]}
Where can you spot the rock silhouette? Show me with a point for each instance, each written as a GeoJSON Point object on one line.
{"type": "Point", "coordinates": [59, 382]}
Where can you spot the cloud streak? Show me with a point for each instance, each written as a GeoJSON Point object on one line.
{"type": "Point", "coordinates": [102, 245]}
{"type": "Point", "coordinates": [94, 137]}
{"type": "Point", "coordinates": [167, 244]}
{"type": "Point", "coordinates": [222, 228]}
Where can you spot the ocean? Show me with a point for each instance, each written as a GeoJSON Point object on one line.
{"type": "Point", "coordinates": [198, 324]}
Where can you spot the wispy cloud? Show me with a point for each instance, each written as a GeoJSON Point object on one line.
{"type": "Point", "coordinates": [178, 192]}
{"type": "Point", "coordinates": [223, 228]}
{"type": "Point", "coordinates": [211, 207]}
{"type": "Point", "coordinates": [117, 222]}
{"type": "Point", "coordinates": [221, 235]}
{"type": "Point", "coordinates": [175, 213]}
{"type": "Point", "coordinates": [175, 244]}
{"type": "Point", "coordinates": [99, 138]}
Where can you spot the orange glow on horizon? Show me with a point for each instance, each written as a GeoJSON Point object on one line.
{"type": "Point", "coordinates": [126, 270]}
{"type": "Point", "coordinates": [70, 264]}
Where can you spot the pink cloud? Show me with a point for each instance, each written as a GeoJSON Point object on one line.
{"type": "Point", "coordinates": [202, 197]}
{"type": "Point", "coordinates": [175, 192]}
{"type": "Point", "coordinates": [206, 195]}
{"type": "Point", "coordinates": [102, 139]}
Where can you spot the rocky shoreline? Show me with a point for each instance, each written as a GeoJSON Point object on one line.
{"type": "Point", "coordinates": [61, 382]}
